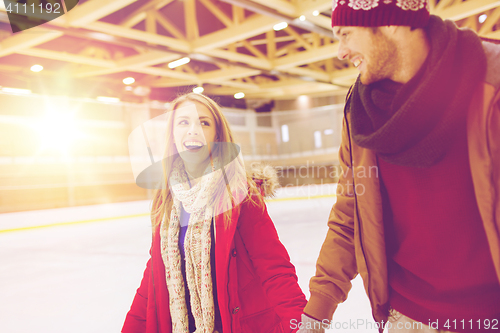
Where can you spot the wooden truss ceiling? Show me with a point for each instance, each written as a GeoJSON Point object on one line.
{"type": "Point", "coordinates": [232, 44]}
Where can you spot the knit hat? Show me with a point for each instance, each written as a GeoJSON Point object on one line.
{"type": "Point", "coordinates": [375, 13]}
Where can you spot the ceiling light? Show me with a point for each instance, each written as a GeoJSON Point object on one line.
{"type": "Point", "coordinates": [239, 95]}
{"type": "Point", "coordinates": [37, 68]}
{"type": "Point", "coordinates": [101, 36]}
{"type": "Point", "coordinates": [198, 90]}
{"type": "Point", "coordinates": [129, 88]}
{"type": "Point", "coordinates": [179, 62]}
{"type": "Point", "coordinates": [302, 18]}
{"type": "Point", "coordinates": [128, 80]}
{"type": "Point", "coordinates": [16, 91]}
{"type": "Point", "coordinates": [328, 131]}
{"type": "Point", "coordinates": [280, 26]}
{"type": "Point", "coordinates": [108, 99]}
{"type": "Point", "coordinates": [482, 18]}
{"type": "Point", "coordinates": [315, 13]}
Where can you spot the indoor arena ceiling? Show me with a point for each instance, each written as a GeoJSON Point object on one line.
{"type": "Point", "coordinates": [232, 45]}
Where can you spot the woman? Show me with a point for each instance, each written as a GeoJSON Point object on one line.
{"type": "Point", "coordinates": [216, 264]}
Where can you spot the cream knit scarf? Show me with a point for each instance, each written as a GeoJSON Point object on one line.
{"type": "Point", "coordinates": [197, 244]}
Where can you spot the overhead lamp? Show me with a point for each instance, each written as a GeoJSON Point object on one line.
{"type": "Point", "coordinates": [328, 131]}
{"type": "Point", "coordinates": [128, 80]}
{"type": "Point", "coordinates": [315, 13]}
{"type": "Point", "coordinates": [108, 99]}
{"type": "Point", "coordinates": [239, 95]}
{"type": "Point", "coordinates": [302, 17]}
{"type": "Point", "coordinates": [36, 68]}
{"type": "Point", "coordinates": [102, 37]}
{"type": "Point", "coordinates": [198, 90]}
{"type": "Point", "coordinates": [482, 18]}
{"type": "Point", "coordinates": [16, 91]}
{"type": "Point", "coordinates": [179, 62]}
{"type": "Point", "coordinates": [280, 26]}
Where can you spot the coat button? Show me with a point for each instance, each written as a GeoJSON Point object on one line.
{"type": "Point", "coordinates": [233, 253]}
{"type": "Point", "coordinates": [236, 309]}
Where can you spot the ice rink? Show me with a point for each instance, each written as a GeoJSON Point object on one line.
{"type": "Point", "coordinates": [76, 270]}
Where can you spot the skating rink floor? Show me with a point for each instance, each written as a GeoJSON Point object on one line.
{"type": "Point", "coordinates": [76, 270]}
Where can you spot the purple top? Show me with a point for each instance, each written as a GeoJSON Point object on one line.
{"type": "Point", "coordinates": [184, 221]}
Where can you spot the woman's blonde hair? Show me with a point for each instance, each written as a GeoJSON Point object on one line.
{"type": "Point", "coordinates": [163, 200]}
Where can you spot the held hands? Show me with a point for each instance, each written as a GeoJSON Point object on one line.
{"type": "Point", "coordinates": [310, 325]}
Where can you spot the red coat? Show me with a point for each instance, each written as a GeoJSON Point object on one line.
{"type": "Point", "coordinates": [257, 286]}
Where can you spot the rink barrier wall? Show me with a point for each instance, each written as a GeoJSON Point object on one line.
{"type": "Point", "coordinates": [145, 214]}
{"type": "Point", "coordinates": [75, 222]}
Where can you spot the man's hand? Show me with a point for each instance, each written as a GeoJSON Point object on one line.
{"type": "Point", "coordinates": [310, 325]}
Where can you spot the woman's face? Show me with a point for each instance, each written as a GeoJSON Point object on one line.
{"type": "Point", "coordinates": [194, 127]}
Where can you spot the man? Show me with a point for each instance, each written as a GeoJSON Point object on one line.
{"type": "Point", "coordinates": [418, 204]}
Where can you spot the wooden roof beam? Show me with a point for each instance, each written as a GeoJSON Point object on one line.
{"type": "Point", "coordinates": [320, 20]}
{"type": "Point", "coordinates": [238, 14]}
{"type": "Point", "coordinates": [306, 57]}
{"type": "Point", "coordinates": [308, 6]}
{"type": "Point", "coordinates": [170, 82]}
{"type": "Point", "coordinates": [157, 71]}
{"type": "Point", "coordinates": [443, 4]}
{"type": "Point", "coordinates": [140, 14]}
{"type": "Point", "coordinates": [281, 6]}
{"type": "Point", "coordinates": [94, 10]}
{"type": "Point", "coordinates": [191, 23]}
{"type": "Point", "coordinates": [344, 75]}
{"type": "Point", "coordinates": [169, 26]}
{"type": "Point", "coordinates": [131, 63]}
{"type": "Point", "coordinates": [228, 74]}
{"type": "Point", "coordinates": [289, 30]}
{"type": "Point", "coordinates": [432, 4]}
{"type": "Point", "coordinates": [255, 51]}
{"type": "Point", "coordinates": [317, 75]}
{"type": "Point", "coordinates": [271, 44]}
{"type": "Point", "coordinates": [253, 26]}
{"type": "Point", "coordinates": [115, 30]}
{"type": "Point", "coordinates": [217, 12]}
{"type": "Point", "coordinates": [26, 39]}
{"type": "Point", "coordinates": [238, 57]}
{"type": "Point", "coordinates": [490, 22]}
{"type": "Point", "coordinates": [67, 57]}
{"type": "Point", "coordinates": [234, 84]}
{"type": "Point", "coordinates": [493, 35]}
{"type": "Point", "coordinates": [148, 59]}
{"type": "Point", "coordinates": [465, 9]}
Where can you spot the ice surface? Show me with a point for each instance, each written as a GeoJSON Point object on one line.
{"type": "Point", "coordinates": [81, 278]}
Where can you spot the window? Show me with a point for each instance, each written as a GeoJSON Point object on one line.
{"type": "Point", "coordinates": [284, 133]}
{"type": "Point", "coordinates": [317, 139]}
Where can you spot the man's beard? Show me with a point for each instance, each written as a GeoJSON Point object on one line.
{"type": "Point", "coordinates": [384, 60]}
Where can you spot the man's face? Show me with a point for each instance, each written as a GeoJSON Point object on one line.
{"type": "Point", "coordinates": [370, 50]}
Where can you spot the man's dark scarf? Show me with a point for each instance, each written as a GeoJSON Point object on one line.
{"type": "Point", "coordinates": [413, 124]}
